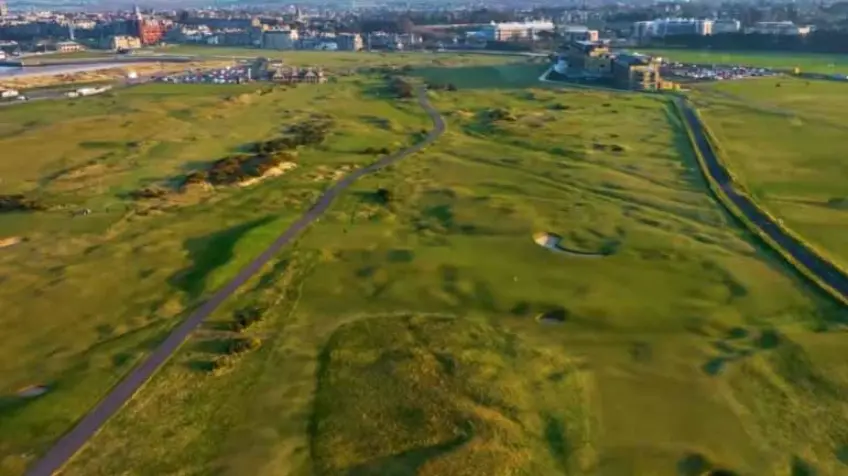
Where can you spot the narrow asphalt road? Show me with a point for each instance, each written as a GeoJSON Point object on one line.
{"type": "Point", "coordinates": [71, 442]}
{"type": "Point", "coordinates": [823, 269]}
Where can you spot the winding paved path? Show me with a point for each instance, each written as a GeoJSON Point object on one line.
{"type": "Point", "coordinates": [86, 428]}
{"type": "Point", "coordinates": [823, 269]}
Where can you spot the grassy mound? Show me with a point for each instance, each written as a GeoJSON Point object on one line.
{"type": "Point", "coordinates": [432, 396]}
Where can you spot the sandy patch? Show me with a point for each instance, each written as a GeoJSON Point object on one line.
{"type": "Point", "coordinates": [324, 173]}
{"type": "Point", "coordinates": [270, 173]}
{"type": "Point", "coordinates": [117, 73]}
{"type": "Point", "coordinates": [10, 241]}
{"type": "Point", "coordinates": [32, 391]}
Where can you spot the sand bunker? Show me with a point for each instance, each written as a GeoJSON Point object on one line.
{"type": "Point", "coordinates": [10, 241]}
{"type": "Point", "coordinates": [270, 173]}
{"type": "Point", "coordinates": [552, 242]}
{"type": "Point", "coordinates": [32, 391]}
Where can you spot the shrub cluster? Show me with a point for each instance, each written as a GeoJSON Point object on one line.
{"type": "Point", "coordinates": [264, 155]}
{"type": "Point", "coordinates": [19, 203]}
{"type": "Point", "coordinates": [383, 196]}
{"type": "Point", "coordinates": [148, 193]}
{"type": "Point", "coordinates": [241, 167]}
{"type": "Point", "coordinates": [441, 87]}
{"type": "Point", "coordinates": [305, 133]}
{"type": "Point", "coordinates": [501, 115]}
{"type": "Point", "coordinates": [244, 318]}
{"type": "Point", "coordinates": [198, 176]}
{"type": "Point", "coordinates": [401, 87]}
{"type": "Point", "coordinates": [235, 349]}
{"type": "Point", "coordinates": [376, 151]}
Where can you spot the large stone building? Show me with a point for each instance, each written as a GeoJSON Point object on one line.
{"type": "Point", "coordinates": [587, 59]}
{"type": "Point", "coordinates": [636, 72]}
{"type": "Point", "coordinates": [515, 30]}
{"type": "Point", "coordinates": [571, 33]}
{"type": "Point", "coordinates": [149, 31]}
{"type": "Point", "coordinates": [349, 41]}
{"type": "Point", "coordinates": [779, 28]}
{"type": "Point", "coordinates": [122, 42]}
{"type": "Point", "coordinates": [590, 58]}
{"type": "Point", "coordinates": [280, 39]}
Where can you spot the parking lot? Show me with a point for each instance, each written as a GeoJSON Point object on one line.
{"type": "Point", "coordinates": [700, 72]}
{"type": "Point", "coordinates": [229, 75]}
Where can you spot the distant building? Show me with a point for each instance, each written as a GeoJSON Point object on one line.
{"type": "Point", "coordinates": [279, 39]}
{"type": "Point", "coordinates": [68, 46]}
{"type": "Point", "coordinates": [349, 41]}
{"type": "Point", "coordinates": [786, 28]}
{"type": "Point", "coordinates": [515, 30]}
{"type": "Point", "coordinates": [122, 42]}
{"type": "Point", "coordinates": [590, 58]}
{"type": "Point", "coordinates": [642, 30]}
{"type": "Point", "coordinates": [726, 26]}
{"type": "Point", "coordinates": [671, 27]}
{"type": "Point", "coordinates": [577, 33]}
{"type": "Point", "coordinates": [149, 31]}
{"type": "Point", "coordinates": [4, 9]}
{"type": "Point", "coordinates": [682, 26]}
{"type": "Point", "coordinates": [288, 75]}
{"type": "Point", "coordinates": [636, 72]}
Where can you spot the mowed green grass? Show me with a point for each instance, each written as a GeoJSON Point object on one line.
{"type": "Point", "coordinates": [403, 339]}
{"type": "Point", "coordinates": [782, 138]}
{"type": "Point", "coordinates": [807, 62]}
{"type": "Point", "coordinates": [85, 298]}
{"type": "Point", "coordinates": [341, 59]}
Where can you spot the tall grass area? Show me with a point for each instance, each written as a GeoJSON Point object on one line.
{"type": "Point", "coordinates": [781, 137]}
{"type": "Point", "coordinates": [784, 60]}
{"type": "Point", "coordinates": [429, 334]}
{"type": "Point", "coordinates": [86, 296]}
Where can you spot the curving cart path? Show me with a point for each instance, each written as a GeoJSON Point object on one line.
{"type": "Point", "coordinates": [822, 269]}
{"type": "Point", "coordinates": [73, 441]}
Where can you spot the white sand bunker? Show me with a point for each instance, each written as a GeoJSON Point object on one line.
{"type": "Point", "coordinates": [552, 241]}
{"type": "Point", "coordinates": [10, 241]}
{"type": "Point", "coordinates": [32, 391]}
{"type": "Point", "coordinates": [270, 173]}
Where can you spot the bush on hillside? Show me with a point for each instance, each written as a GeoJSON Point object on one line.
{"type": "Point", "coordinates": [401, 88]}
{"type": "Point", "coordinates": [19, 203]}
{"type": "Point", "coordinates": [148, 193]}
{"type": "Point", "coordinates": [501, 115]}
{"type": "Point", "coordinates": [244, 318]}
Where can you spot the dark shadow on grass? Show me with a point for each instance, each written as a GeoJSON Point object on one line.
{"type": "Point", "coordinates": [208, 253]}
{"type": "Point", "coordinates": [558, 445]}
{"type": "Point", "coordinates": [407, 463]}
{"type": "Point", "coordinates": [802, 468]}
{"type": "Point", "coordinates": [693, 464]}
{"type": "Point", "coordinates": [714, 366]}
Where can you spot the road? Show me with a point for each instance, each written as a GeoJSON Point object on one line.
{"type": "Point", "coordinates": [823, 269]}
{"type": "Point", "coordinates": [74, 440]}
{"type": "Point", "coordinates": [59, 92]}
